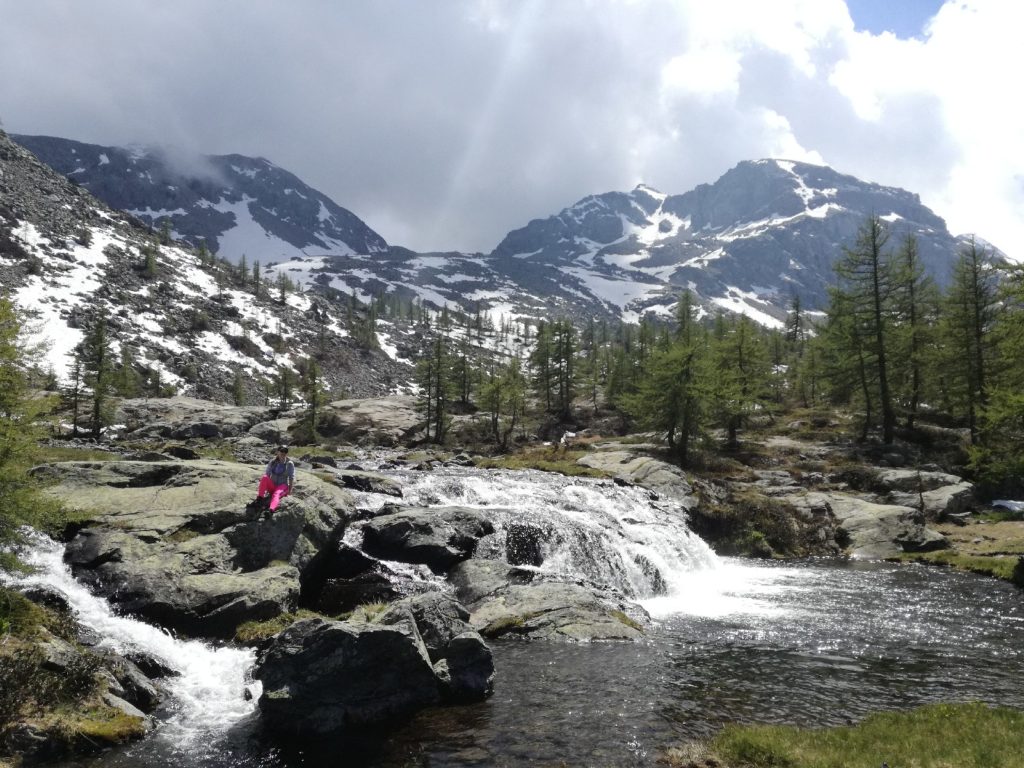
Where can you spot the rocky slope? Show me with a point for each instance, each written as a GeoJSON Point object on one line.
{"type": "Point", "coordinates": [762, 233]}
{"type": "Point", "coordinates": [68, 259]}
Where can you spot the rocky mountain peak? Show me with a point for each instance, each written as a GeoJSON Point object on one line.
{"type": "Point", "coordinates": [236, 204]}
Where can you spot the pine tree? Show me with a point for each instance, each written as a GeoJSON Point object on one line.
{"type": "Point", "coordinates": [866, 280]}
{"type": "Point", "coordinates": [256, 279]}
{"type": "Point", "coordinates": [741, 371]}
{"type": "Point", "coordinates": [243, 271]}
{"type": "Point", "coordinates": [21, 427]}
{"type": "Point", "coordinates": [238, 388]}
{"type": "Point", "coordinates": [127, 381]}
{"type": "Point", "coordinates": [915, 302]}
{"type": "Point", "coordinates": [433, 374]}
{"type": "Point", "coordinates": [97, 373]}
{"type": "Point", "coordinates": [971, 310]}
{"type": "Point", "coordinates": [285, 381]}
{"type": "Point", "coordinates": [311, 383]}
{"type": "Point", "coordinates": [165, 231]}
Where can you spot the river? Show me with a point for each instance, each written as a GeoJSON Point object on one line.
{"type": "Point", "coordinates": [820, 642]}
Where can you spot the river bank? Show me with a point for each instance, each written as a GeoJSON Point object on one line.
{"type": "Point", "coordinates": [600, 553]}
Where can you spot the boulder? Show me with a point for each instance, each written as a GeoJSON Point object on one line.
{"type": "Point", "coordinates": [505, 600]}
{"type": "Point", "coordinates": [176, 543]}
{"type": "Point", "coordinates": [665, 479]}
{"type": "Point", "coordinates": [940, 503]}
{"type": "Point", "coordinates": [553, 611]}
{"type": "Point", "coordinates": [383, 421]}
{"type": "Point", "coordinates": [366, 482]}
{"type": "Point", "coordinates": [438, 537]}
{"type": "Point", "coordinates": [912, 480]}
{"type": "Point", "coordinates": [466, 673]}
{"type": "Point", "coordinates": [274, 431]}
{"type": "Point", "coordinates": [331, 678]}
{"type": "Point", "coordinates": [438, 617]}
{"type": "Point", "coordinates": [462, 662]}
{"type": "Point", "coordinates": [523, 544]}
{"type": "Point", "coordinates": [878, 530]}
{"type": "Point", "coordinates": [187, 417]}
{"type": "Point", "coordinates": [338, 596]}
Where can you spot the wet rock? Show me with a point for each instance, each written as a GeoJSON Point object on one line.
{"type": "Point", "coordinates": [466, 673]}
{"type": "Point", "coordinates": [366, 482]}
{"type": "Point", "coordinates": [523, 544]}
{"type": "Point", "coordinates": [329, 677]}
{"type": "Point", "coordinates": [438, 617]}
{"type": "Point", "coordinates": [665, 479]}
{"type": "Point", "coordinates": [552, 611]}
{"type": "Point", "coordinates": [174, 542]}
{"type": "Point", "coordinates": [338, 596]}
{"type": "Point", "coordinates": [438, 537]}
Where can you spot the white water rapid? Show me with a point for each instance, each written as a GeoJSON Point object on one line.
{"type": "Point", "coordinates": [207, 694]}
{"type": "Point", "coordinates": [612, 536]}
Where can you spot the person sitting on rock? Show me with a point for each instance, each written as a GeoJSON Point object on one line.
{"type": "Point", "coordinates": [278, 480]}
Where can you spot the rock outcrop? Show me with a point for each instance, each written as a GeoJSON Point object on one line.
{"type": "Point", "coordinates": [665, 479]}
{"type": "Point", "coordinates": [385, 421]}
{"type": "Point", "coordinates": [878, 530]}
{"type": "Point", "coordinates": [332, 677]}
{"type": "Point", "coordinates": [505, 600]}
{"type": "Point", "coordinates": [178, 544]}
{"type": "Point", "coordinates": [438, 537]}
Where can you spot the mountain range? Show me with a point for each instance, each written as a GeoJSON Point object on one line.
{"type": "Point", "coordinates": [764, 232]}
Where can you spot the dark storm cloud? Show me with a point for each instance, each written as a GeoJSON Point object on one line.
{"type": "Point", "coordinates": [445, 124]}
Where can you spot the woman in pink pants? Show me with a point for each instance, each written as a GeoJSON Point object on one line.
{"type": "Point", "coordinates": [278, 480]}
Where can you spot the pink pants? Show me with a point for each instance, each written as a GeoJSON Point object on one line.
{"type": "Point", "coordinates": [276, 491]}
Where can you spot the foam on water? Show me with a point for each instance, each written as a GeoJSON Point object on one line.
{"type": "Point", "coordinates": [208, 693]}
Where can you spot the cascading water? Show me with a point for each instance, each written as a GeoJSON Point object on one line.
{"type": "Point", "coordinates": [208, 689]}
{"type": "Point", "coordinates": [611, 536]}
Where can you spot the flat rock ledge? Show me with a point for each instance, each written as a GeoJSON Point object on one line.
{"type": "Point", "coordinates": [177, 542]}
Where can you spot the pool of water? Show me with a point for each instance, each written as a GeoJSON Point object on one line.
{"type": "Point", "coordinates": [816, 643]}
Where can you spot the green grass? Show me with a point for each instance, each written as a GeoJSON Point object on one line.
{"type": "Point", "coordinates": [546, 459]}
{"type": "Point", "coordinates": [1005, 568]}
{"type": "Point", "coordinates": [251, 632]}
{"type": "Point", "coordinates": [48, 454]}
{"type": "Point", "coordinates": [936, 736]}
{"type": "Point", "coordinates": [628, 621]}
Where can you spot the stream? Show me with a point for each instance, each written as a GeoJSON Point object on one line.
{"type": "Point", "coordinates": [821, 642]}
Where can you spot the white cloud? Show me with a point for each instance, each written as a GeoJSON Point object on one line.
{"type": "Point", "coordinates": [446, 124]}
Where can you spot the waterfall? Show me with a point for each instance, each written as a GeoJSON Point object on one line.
{"type": "Point", "coordinates": [207, 693]}
{"type": "Point", "coordinates": [612, 536]}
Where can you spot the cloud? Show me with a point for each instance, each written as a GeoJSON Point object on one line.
{"type": "Point", "coordinates": [444, 125]}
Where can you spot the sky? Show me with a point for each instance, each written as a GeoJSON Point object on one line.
{"type": "Point", "coordinates": [446, 124]}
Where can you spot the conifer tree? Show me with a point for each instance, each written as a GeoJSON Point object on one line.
{"type": "Point", "coordinates": [97, 368]}
{"type": "Point", "coordinates": [971, 309]}
{"type": "Point", "coordinates": [866, 282]}
{"type": "Point", "coordinates": [915, 300]}
{"type": "Point", "coordinates": [238, 388]}
{"type": "Point", "coordinates": [313, 393]}
{"type": "Point", "coordinates": [127, 381]}
{"type": "Point", "coordinates": [21, 427]}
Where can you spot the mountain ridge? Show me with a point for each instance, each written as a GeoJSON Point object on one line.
{"type": "Point", "coordinates": [764, 232]}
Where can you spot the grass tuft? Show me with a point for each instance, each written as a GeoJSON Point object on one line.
{"type": "Point", "coordinates": [252, 632]}
{"type": "Point", "coordinates": [545, 459]}
{"type": "Point", "coordinates": [1000, 567]}
{"type": "Point", "coordinates": [936, 736]}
